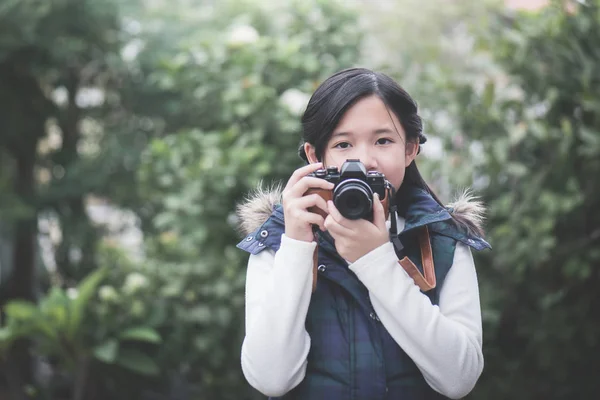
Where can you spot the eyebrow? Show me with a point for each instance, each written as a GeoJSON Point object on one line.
{"type": "Point", "coordinates": [375, 132]}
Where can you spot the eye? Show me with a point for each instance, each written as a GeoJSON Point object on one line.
{"type": "Point", "coordinates": [384, 141]}
{"type": "Point", "coordinates": [342, 145]}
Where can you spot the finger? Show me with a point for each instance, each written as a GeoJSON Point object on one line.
{"type": "Point", "coordinates": [337, 216]}
{"type": "Point", "coordinates": [335, 228]}
{"type": "Point", "coordinates": [301, 188]}
{"type": "Point", "coordinates": [309, 182]}
{"type": "Point", "coordinates": [301, 173]}
{"type": "Point", "coordinates": [310, 218]}
{"type": "Point", "coordinates": [308, 201]}
{"type": "Point", "coordinates": [378, 213]}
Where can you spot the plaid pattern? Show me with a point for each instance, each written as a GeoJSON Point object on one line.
{"type": "Point", "coordinates": [352, 356]}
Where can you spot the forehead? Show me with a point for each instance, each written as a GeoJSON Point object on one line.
{"type": "Point", "coordinates": [368, 115]}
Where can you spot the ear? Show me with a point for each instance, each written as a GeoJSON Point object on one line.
{"type": "Point", "coordinates": [412, 149]}
{"type": "Point", "coordinates": [311, 153]}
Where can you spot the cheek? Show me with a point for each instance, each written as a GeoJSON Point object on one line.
{"type": "Point", "coordinates": [396, 178]}
{"type": "Point", "coordinates": [394, 170]}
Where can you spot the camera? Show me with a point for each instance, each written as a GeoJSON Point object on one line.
{"type": "Point", "coordinates": [353, 190]}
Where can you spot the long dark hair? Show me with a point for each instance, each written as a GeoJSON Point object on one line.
{"type": "Point", "coordinates": [342, 90]}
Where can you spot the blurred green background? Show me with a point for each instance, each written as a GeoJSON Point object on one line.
{"type": "Point", "coordinates": [129, 131]}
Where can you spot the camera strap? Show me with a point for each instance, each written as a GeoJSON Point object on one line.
{"type": "Point", "coordinates": [427, 280]}
{"type": "Point", "coordinates": [394, 229]}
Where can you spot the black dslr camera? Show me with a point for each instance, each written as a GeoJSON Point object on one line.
{"type": "Point", "coordinates": [353, 190]}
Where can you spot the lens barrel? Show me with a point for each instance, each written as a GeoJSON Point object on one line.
{"type": "Point", "coordinates": [353, 198]}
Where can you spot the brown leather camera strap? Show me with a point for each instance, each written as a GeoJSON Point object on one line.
{"type": "Point", "coordinates": [425, 281]}
{"type": "Point", "coordinates": [428, 281]}
{"type": "Point", "coordinates": [386, 205]}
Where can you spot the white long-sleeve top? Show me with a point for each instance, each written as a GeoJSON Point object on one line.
{"type": "Point", "coordinates": [444, 341]}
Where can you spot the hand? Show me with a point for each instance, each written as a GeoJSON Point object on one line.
{"type": "Point", "coordinates": [355, 238]}
{"type": "Point", "coordinates": [298, 220]}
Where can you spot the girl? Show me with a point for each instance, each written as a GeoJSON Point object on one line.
{"type": "Point", "coordinates": [340, 312]}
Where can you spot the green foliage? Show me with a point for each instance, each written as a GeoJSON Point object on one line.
{"type": "Point", "coordinates": [197, 108]}
{"type": "Point", "coordinates": [51, 52]}
{"type": "Point", "coordinates": [234, 101]}
{"type": "Point", "coordinates": [59, 329]}
{"type": "Point", "coordinates": [201, 102]}
{"type": "Point", "coordinates": [538, 129]}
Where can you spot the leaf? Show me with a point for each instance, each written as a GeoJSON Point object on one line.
{"type": "Point", "coordinates": [55, 308]}
{"type": "Point", "coordinates": [200, 314]}
{"type": "Point", "coordinates": [107, 352]}
{"type": "Point", "coordinates": [201, 343]}
{"type": "Point", "coordinates": [7, 335]}
{"type": "Point", "coordinates": [86, 290]}
{"type": "Point", "coordinates": [137, 362]}
{"type": "Point", "coordinates": [142, 334]}
{"type": "Point", "coordinates": [21, 310]}
{"type": "Point", "coordinates": [489, 94]}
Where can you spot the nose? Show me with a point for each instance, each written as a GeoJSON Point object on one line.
{"type": "Point", "coordinates": [369, 160]}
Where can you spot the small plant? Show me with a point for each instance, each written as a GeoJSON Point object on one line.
{"type": "Point", "coordinates": [61, 329]}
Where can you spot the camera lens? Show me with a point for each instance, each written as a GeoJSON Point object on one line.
{"type": "Point", "coordinates": [353, 198]}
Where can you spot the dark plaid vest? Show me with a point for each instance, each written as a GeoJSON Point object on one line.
{"type": "Point", "coordinates": [352, 356]}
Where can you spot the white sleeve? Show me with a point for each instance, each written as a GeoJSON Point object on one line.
{"type": "Point", "coordinates": [278, 291]}
{"type": "Point", "coordinates": [444, 341]}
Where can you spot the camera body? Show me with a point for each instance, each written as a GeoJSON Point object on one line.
{"type": "Point", "coordinates": [353, 190]}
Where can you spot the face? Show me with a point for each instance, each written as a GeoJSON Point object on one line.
{"type": "Point", "coordinates": [372, 134]}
